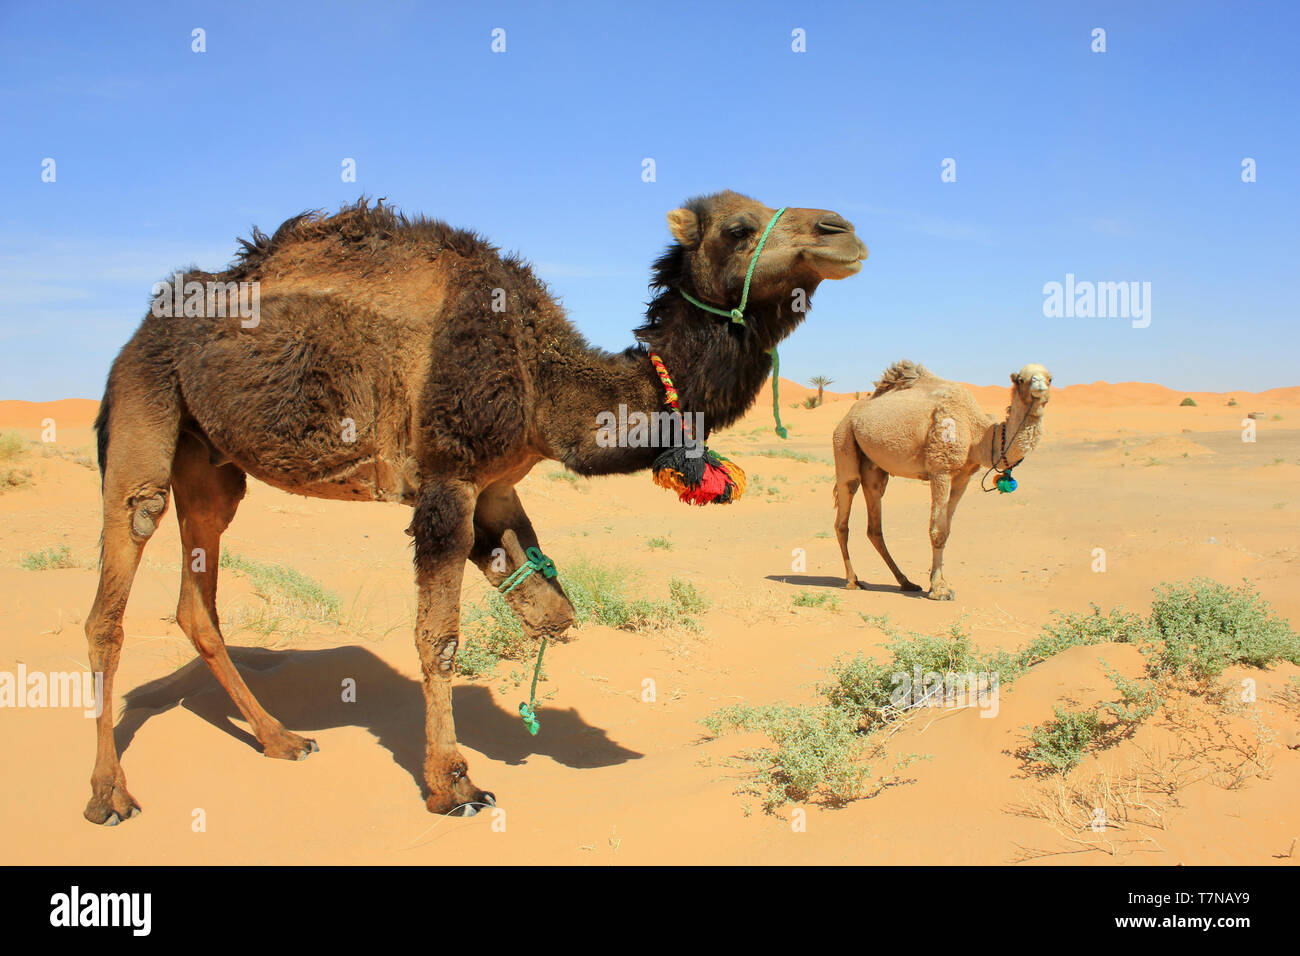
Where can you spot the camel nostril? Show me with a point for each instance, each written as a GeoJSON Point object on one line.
{"type": "Point", "coordinates": [834, 224]}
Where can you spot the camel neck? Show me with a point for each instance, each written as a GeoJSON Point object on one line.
{"type": "Point", "coordinates": [1019, 432]}
{"type": "Point", "coordinates": [717, 368]}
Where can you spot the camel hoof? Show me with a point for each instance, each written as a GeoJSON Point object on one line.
{"type": "Point", "coordinates": [942, 594]}
{"type": "Point", "coordinates": [852, 586]}
{"type": "Point", "coordinates": [113, 818]}
{"type": "Point", "coordinates": [485, 800]}
{"type": "Point", "coordinates": [290, 747]}
{"type": "Point", "coordinates": [112, 808]}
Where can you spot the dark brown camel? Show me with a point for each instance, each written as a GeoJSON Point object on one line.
{"type": "Point", "coordinates": [405, 360]}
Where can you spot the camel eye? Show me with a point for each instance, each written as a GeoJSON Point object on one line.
{"type": "Point", "coordinates": [739, 230]}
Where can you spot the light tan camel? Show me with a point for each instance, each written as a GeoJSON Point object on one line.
{"type": "Point", "coordinates": [917, 425]}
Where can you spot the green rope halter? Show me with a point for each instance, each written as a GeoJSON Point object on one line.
{"type": "Point", "coordinates": [737, 315]}
{"type": "Point", "coordinates": [535, 561]}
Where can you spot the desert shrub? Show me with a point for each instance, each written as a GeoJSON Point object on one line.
{"type": "Point", "coordinates": [866, 688]}
{"type": "Point", "coordinates": [830, 602]}
{"type": "Point", "coordinates": [1188, 402]}
{"type": "Point", "coordinates": [1138, 699]}
{"type": "Point", "coordinates": [812, 748]}
{"type": "Point", "coordinates": [1200, 627]}
{"type": "Point", "coordinates": [1194, 629]}
{"type": "Point", "coordinates": [599, 594]}
{"type": "Point", "coordinates": [659, 544]}
{"type": "Point", "coordinates": [490, 633]}
{"type": "Point", "coordinates": [11, 478]}
{"type": "Point", "coordinates": [286, 590]}
{"type": "Point", "coordinates": [12, 446]}
{"type": "Point", "coordinates": [1062, 742]}
{"type": "Point", "coordinates": [1080, 630]}
{"type": "Point", "coordinates": [48, 559]}
{"type": "Point", "coordinates": [791, 455]}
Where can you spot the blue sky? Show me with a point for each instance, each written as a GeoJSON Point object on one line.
{"type": "Point", "coordinates": [1115, 166]}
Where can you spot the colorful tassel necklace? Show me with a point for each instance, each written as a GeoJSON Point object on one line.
{"type": "Point", "coordinates": [698, 475]}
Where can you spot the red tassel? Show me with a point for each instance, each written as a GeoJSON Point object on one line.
{"type": "Point", "coordinates": [711, 487]}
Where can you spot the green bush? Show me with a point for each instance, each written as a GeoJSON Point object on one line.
{"type": "Point", "coordinates": [1201, 627]}
{"type": "Point", "coordinates": [811, 748]}
{"type": "Point", "coordinates": [49, 559]}
{"type": "Point", "coordinates": [285, 589]}
{"type": "Point", "coordinates": [12, 445]}
{"type": "Point", "coordinates": [791, 455]}
{"type": "Point", "coordinates": [830, 602]}
{"type": "Point", "coordinates": [1061, 743]}
{"type": "Point", "coordinates": [599, 595]}
{"type": "Point", "coordinates": [490, 633]}
{"type": "Point", "coordinates": [1187, 402]}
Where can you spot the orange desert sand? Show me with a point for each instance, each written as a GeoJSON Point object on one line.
{"type": "Point", "coordinates": [1168, 492]}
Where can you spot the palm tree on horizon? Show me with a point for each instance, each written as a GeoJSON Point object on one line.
{"type": "Point", "coordinates": [821, 381]}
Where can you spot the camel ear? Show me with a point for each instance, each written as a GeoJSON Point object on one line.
{"type": "Point", "coordinates": [685, 227]}
{"type": "Point", "coordinates": [1015, 378]}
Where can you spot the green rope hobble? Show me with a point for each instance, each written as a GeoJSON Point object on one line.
{"type": "Point", "coordinates": [535, 561]}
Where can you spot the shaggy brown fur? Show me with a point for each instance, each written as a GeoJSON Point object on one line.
{"type": "Point", "coordinates": [405, 360]}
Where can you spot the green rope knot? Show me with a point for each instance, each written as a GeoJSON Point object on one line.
{"type": "Point", "coordinates": [530, 719]}
{"type": "Point", "coordinates": [527, 711]}
{"type": "Point", "coordinates": [535, 561]}
{"type": "Point", "coordinates": [738, 316]}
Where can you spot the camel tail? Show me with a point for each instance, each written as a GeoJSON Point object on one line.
{"type": "Point", "coordinates": [900, 375]}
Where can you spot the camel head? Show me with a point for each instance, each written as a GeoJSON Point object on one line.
{"type": "Point", "coordinates": [1032, 387]}
{"type": "Point", "coordinates": [716, 238]}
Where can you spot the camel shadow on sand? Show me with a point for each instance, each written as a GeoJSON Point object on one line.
{"type": "Point", "coordinates": [824, 581]}
{"type": "Point", "coordinates": [304, 690]}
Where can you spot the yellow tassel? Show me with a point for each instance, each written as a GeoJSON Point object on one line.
{"type": "Point", "coordinates": [737, 476]}
{"type": "Point", "coordinates": [672, 480]}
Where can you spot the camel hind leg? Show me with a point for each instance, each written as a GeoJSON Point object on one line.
{"type": "Point", "coordinates": [874, 482]}
{"type": "Point", "coordinates": [137, 426]}
{"type": "Point", "coordinates": [207, 496]}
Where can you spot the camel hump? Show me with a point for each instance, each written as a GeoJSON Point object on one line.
{"type": "Point", "coordinates": [902, 374]}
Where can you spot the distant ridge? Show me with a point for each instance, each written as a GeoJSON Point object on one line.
{"type": "Point", "coordinates": [80, 412]}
